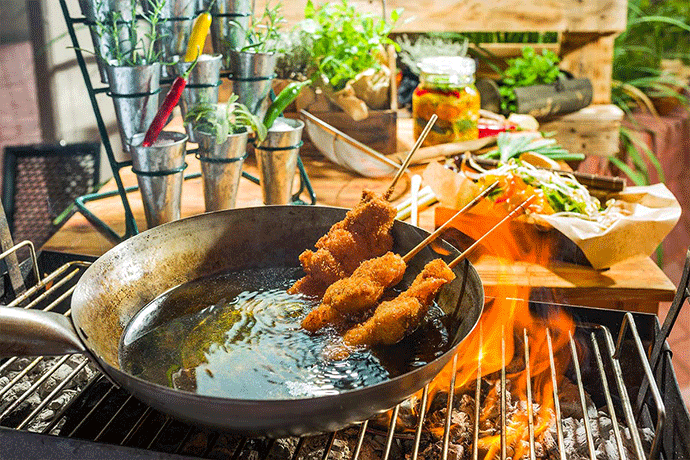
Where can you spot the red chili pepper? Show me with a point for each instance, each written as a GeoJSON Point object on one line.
{"type": "Point", "coordinates": [169, 103]}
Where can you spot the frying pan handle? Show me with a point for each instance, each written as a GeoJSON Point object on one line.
{"type": "Point", "coordinates": [34, 332]}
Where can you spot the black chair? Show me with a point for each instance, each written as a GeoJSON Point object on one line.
{"type": "Point", "coordinates": [40, 184]}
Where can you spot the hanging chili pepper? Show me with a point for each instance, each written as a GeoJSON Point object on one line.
{"type": "Point", "coordinates": [197, 38]}
{"type": "Point", "coordinates": [169, 103]}
{"type": "Point", "coordinates": [286, 96]}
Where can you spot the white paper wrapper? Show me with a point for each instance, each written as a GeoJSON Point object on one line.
{"type": "Point", "coordinates": [651, 213]}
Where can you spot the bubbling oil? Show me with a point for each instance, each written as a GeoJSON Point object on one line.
{"type": "Point", "coordinates": [238, 335]}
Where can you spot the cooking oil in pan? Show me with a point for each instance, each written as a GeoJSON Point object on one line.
{"type": "Point", "coordinates": [238, 336]}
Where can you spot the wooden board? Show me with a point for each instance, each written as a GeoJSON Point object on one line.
{"type": "Point", "coordinates": [600, 16]}
{"type": "Point", "coordinates": [593, 130]}
{"type": "Point", "coordinates": [588, 56]}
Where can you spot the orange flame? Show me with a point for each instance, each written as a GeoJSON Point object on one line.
{"type": "Point", "coordinates": [499, 342]}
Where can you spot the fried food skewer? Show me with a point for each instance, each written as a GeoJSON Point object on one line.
{"type": "Point", "coordinates": [394, 319]}
{"type": "Point", "coordinates": [362, 235]}
{"type": "Point", "coordinates": [362, 290]}
{"type": "Point", "coordinates": [406, 163]}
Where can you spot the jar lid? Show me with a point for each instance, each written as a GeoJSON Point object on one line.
{"type": "Point", "coordinates": [448, 65]}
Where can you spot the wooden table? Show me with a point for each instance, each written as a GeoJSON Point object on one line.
{"type": "Point", "coordinates": [637, 284]}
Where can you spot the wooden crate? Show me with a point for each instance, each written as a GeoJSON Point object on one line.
{"type": "Point", "coordinates": [378, 131]}
{"type": "Point", "coordinates": [592, 130]}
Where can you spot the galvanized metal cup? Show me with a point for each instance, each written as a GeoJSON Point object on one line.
{"type": "Point", "coordinates": [174, 28]}
{"type": "Point", "coordinates": [102, 11]}
{"type": "Point", "coordinates": [159, 171]}
{"type": "Point", "coordinates": [134, 91]}
{"type": "Point", "coordinates": [277, 160]}
{"type": "Point", "coordinates": [251, 78]}
{"type": "Point", "coordinates": [202, 85]}
{"type": "Point", "coordinates": [221, 168]}
{"type": "Point", "coordinates": [230, 20]}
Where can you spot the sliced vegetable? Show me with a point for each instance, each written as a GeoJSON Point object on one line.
{"type": "Point", "coordinates": [556, 192]}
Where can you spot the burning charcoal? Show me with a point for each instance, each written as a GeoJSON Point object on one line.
{"type": "Point", "coordinates": [283, 448]}
{"type": "Point", "coordinates": [438, 402]}
{"type": "Point", "coordinates": [370, 452]}
{"type": "Point", "coordinates": [313, 448]}
{"type": "Point", "coordinates": [570, 400]}
{"type": "Point", "coordinates": [456, 452]}
{"type": "Point", "coordinates": [407, 415]}
{"type": "Point", "coordinates": [435, 451]}
{"type": "Point", "coordinates": [461, 424]}
{"type": "Point", "coordinates": [340, 450]}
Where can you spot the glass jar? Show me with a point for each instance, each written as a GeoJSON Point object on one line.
{"type": "Point", "coordinates": [446, 88]}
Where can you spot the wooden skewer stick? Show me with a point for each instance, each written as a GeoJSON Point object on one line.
{"type": "Point", "coordinates": [406, 163]}
{"type": "Point", "coordinates": [510, 216]}
{"type": "Point", "coordinates": [414, 251]}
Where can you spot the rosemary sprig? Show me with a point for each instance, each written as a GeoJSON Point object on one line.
{"type": "Point", "coordinates": [263, 34]}
{"type": "Point", "coordinates": [126, 45]}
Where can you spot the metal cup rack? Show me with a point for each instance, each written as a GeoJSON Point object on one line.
{"type": "Point", "coordinates": [131, 228]}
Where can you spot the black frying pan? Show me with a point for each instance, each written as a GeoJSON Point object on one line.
{"type": "Point", "coordinates": [135, 272]}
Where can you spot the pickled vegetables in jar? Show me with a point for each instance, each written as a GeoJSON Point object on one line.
{"type": "Point", "coordinates": [446, 88]}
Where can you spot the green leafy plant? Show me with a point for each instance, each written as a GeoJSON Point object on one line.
{"type": "Point", "coordinates": [530, 69]}
{"type": "Point", "coordinates": [656, 30]}
{"type": "Point", "coordinates": [138, 45]}
{"type": "Point", "coordinates": [221, 120]}
{"type": "Point", "coordinates": [263, 33]}
{"type": "Point", "coordinates": [345, 41]}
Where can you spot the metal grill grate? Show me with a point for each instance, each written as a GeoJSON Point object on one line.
{"type": "Point", "coordinates": [104, 413]}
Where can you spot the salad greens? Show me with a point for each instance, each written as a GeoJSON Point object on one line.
{"type": "Point", "coordinates": [345, 41]}
{"type": "Point", "coordinates": [222, 120]}
{"type": "Point", "coordinates": [563, 193]}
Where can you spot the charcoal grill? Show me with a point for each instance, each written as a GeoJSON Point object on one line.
{"type": "Point", "coordinates": [638, 389]}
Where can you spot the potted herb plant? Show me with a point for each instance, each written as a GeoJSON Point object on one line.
{"type": "Point", "coordinates": [350, 58]}
{"type": "Point", "coordinates": [222, 131]}
{"type": "Point", "coordinates": [252, 66]}
{"type": "Point", "coordinates": [533, 84]}
{"type": "Point", "coordinates": [348, 55]}
{"type": "Point", "coordinates": [230, 20]}
{"type": "Point", "coordinates": [98, 14]}
{"type": "Point", "coordinates": [132, 67]}
{"type": "Point", "coordinates": [173, 29]}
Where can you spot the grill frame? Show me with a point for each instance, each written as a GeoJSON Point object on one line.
{"type": "Point", "coordinates": [644, 328]}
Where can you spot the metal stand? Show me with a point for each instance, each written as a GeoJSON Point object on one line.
{"type": "Point", "coordinates": [131, 228]}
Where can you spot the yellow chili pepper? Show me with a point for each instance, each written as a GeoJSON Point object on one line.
{"type": "Point", "coordinates": [202, 24]}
